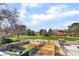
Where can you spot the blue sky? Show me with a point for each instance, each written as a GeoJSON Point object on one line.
{"type": "Point", "coordinates": [47, 15]}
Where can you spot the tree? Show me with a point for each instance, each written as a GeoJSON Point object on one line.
{"type": "Point", "coordinates": [7, 30]}
{"type": "Point", "coordinates": [19, 30]}
{"type": "Point", "coordinates": [50, 32]}
{"type": "Point", "coordinates": [1, 17]}
{"type": "Point", "coordinates": [43, 32]}
{"type": "Point", "coordinates": [11, 16]}
{"type": "Point", "coordinates": [70, 31]}
{"type": "Point", "coordinates": [61, 31]}
{"type": "Point", "coordinates": [28, 32]}
{"type": "Point", "coordinates": [32, 33]}
{"type": "Point", "coordinates": [74, 28]}
{"type": "Point", "coordinates": [66, 32]}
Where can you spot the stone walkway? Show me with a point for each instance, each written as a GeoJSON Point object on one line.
{"type": "Point", "coordinates": [72, 50]}
{"type": "Point", "coordinates": [72, 53]}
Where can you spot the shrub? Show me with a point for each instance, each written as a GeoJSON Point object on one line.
{"type": "Point", "coordinates": [6, 40]}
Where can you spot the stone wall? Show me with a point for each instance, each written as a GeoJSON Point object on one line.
{"type": "Point", "coordinates": [4, 47]}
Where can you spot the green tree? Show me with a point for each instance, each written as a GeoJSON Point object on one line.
{"type": "Point", "coordinates": [28, 31]}
{"type": "Point", "coordinates": [50, 32]}
{"type": "Point", "coordinates": [43, 32]}
{"type": "Point", "coordinates": [32, 33]}
{"type": "Point", "coordinates": [75, 29]}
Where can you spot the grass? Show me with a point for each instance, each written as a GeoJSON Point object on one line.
{"type": "Point", "coordinates": [35, 37]}
{"type": "Point", "coordinates": [45, 37]}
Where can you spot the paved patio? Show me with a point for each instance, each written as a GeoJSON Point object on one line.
{"type": "Point", "coordinates": [72, 50]}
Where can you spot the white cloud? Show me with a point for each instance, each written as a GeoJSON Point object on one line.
{"type": "Point", "coordinates": [42, 16]}
{"type": "Point", "coordinates": [53, 13]}
{"type": "Point", "coordinates": [56, 9]}
{"type": "Point", "coordinates": [23, 15]}
{"type": "Point", "coordinates": [70, 13]}
{"type": "Point", "coordinates": [23, 11]}
{"type": "Point", "coordinates": [24, 6]}
{"type": "Point", "coordinates": [68, 23]}
{"type": "Point", "coordinates": [39, 1]}
{"type": "Point", "coordinates": [37, 18]}
{"type": "Point", "coordinates": [30, 4]}
{"type": "Point", "coordinates": [62, 11]}
{"type": "Point", "coordinates": [63, 25]}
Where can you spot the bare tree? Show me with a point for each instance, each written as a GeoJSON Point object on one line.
{"type": "Point", "coordinates": [20, 30]}
{"type": "Point", "coordinates": [11, 16]}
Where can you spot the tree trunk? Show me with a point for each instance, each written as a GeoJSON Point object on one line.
{"type": "Point", "coordinates": [18, 36]}
{"type": "Point", "coordinates": [65, 35]}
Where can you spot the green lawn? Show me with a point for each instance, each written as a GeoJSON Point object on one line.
{"type": "Point", "coordinates": [45, 37]}
{"type": "Point", "coordinates": [76, 39]}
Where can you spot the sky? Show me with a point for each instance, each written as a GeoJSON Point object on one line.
{"type": "Point", "coordinates": [38, 16]}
